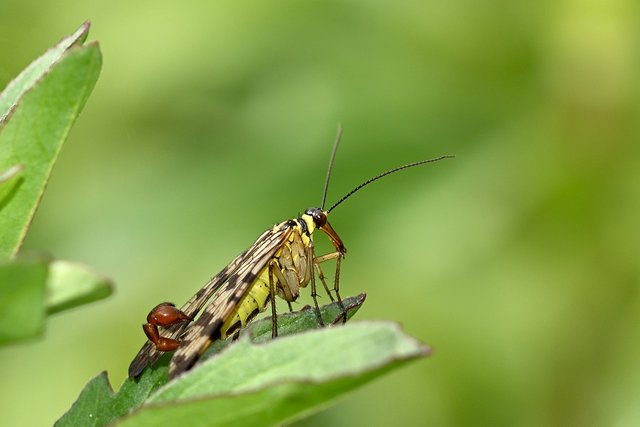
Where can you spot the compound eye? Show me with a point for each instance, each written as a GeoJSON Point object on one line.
{"type": "Point", "coordinates": [319, 218]}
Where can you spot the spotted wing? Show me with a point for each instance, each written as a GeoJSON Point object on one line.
{"type": "Point", "coordinates": [200, 334]}
{"type": "Point", "coordinates": [148, 353]}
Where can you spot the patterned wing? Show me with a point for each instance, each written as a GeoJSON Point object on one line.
{"type": "Point", "coordinates": [200, 334]}
{"type": "Point", "coordinates": [148, 353]}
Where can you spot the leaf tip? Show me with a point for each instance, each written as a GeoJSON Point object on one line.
{"type": "Point", "coordinates": [81, 33]}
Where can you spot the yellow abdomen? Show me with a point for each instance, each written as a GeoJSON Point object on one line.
{"type": "Point", "coordinates": [252, 303]}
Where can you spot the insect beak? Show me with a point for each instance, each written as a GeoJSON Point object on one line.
{"type": "Point", "coordinates": [333, 236]}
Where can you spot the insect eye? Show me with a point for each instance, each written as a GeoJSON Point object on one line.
{"type": "Point", "coordinates": [319, 218]}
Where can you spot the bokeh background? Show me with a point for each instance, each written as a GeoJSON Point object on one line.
{"type": "Point", "coordinates": [518, 261]}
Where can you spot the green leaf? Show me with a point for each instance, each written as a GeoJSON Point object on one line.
{"type": "Point", "coordinates": [30, 75]}
{"type": "Point", "coordinates": [71, 284]}
{"type": "Point", "coordinates": [252, 383]}
{"type": "Point", "coordinates": [22, 286]}
{"type": "Point", "coordinates": [34, 130]}
{"type": "Point", "coordinates": [280, 380]}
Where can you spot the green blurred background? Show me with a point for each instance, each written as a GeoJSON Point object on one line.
{"type": "Point", "coordinates": [518, 261]}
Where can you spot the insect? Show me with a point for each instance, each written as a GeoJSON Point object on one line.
{"type": "Point", "coordinates": [278, 263]}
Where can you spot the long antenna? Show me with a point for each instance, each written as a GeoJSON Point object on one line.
{"type": "Point", "coordinates": [377, 177]}
{"type": "Point", "coordinates": [333, 156]}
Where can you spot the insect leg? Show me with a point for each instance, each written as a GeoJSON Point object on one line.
{"type": "Point", "coordinates": [336, 281]}
{"type": "Point", "coordinates": [272, 291]}
{"type": "Point", "coordinates": [314, 293]}
{"type": "Point", "coordinates": [336, 288]}
{"type": "Point", "coordinates": [321, 276]}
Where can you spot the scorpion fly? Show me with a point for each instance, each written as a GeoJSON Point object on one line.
{"type": "Point", "coordinates": [278, 263]}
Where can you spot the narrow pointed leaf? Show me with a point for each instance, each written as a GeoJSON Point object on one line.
{"type": "Point", "coordinates": [33, 132]}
